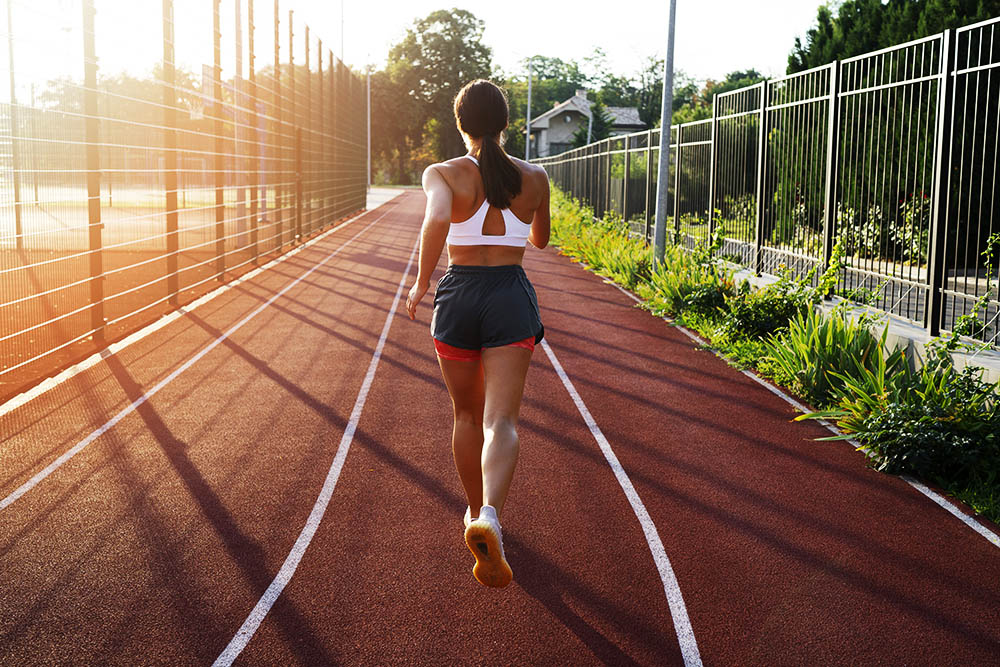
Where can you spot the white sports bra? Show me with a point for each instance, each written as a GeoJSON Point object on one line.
{"type": "Point", "coordinates": [470, 232]}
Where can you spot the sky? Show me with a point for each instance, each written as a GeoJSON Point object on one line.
{"type": "Point", "coordinates": [713, 37]}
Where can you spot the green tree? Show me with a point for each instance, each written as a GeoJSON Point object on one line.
{"type": "Point", "coordinates": [600, 126]}
{"type": "Point", "coordinates": [854, 27]}
{"type": "Point", "coordinates": [438, 55]}
{"type": "Point", "coordinates": [553, 81]}
{"type": "Point", "coordinates": [649, 99]}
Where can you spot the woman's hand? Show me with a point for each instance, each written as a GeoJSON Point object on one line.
{"type": "Point", "coordinates": [417, 293]}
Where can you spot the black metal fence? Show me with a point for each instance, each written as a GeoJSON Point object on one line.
{"type": "Point", "coordinates": [149, 151]}
{"type": "Point", "coordinates": [894, 153]}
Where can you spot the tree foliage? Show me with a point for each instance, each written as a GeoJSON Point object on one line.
{"type": "Point", "coordinates": [854, 27]}
{"type": "Point", "coordinates": [412, 98]}
{"type": "Point", "coordinates": [598, 128]}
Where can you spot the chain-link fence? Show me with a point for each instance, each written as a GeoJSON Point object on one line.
{"type": "Point", "coordinates": [894, 154]}
{"type": "Point", "coordinates": [150, 150]}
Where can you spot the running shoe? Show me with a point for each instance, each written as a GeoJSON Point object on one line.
{"type": "Point", "coordinates": [468, 517]}
{"type": "Point", "coordinates": [485, 541]}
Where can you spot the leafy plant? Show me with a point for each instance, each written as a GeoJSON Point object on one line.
{"type": "Point", "coordinates": [688, 280]}
{"type": "Point", "coordinates": [816, 346]}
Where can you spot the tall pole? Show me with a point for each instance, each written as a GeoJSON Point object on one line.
{"type": "Point", "coordinates": [170, 152]}
{"type": "Point", "coordinates": [666, 118]}
{"type": "Point", "coordinates": [368, 84]}
{"type": "Point", "coordinates": [15, 129]}
{"type": "Point", "coordinates": [239, 133]}
{"type": "Point", "coordinates": [527, 139]}
{"type": "Point", "coordinates": [95, 230]}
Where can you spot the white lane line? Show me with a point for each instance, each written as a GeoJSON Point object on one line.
{"type": "Point", "coordinates": [962, 516]}
{"type": "Point", "coordinates": [948, 505]}
{"type": "Point", "coordinates": [682, 624]}
{"type": "Point", "coordinates": [78, 447]}
{"type": "Point", "coordinates": [263, 606]}
{"type": "Point", "coordinates": [94, 359]}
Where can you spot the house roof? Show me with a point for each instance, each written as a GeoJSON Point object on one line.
{"type": "Point", "coordinates": [621, 117]}
{"type": "Point", "coordinates": [625, 117]}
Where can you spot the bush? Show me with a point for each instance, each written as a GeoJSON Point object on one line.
{"type": "Point", "coordinates": [926, 440]}
{"type": "Point", "coordinates": [938, 423]}
{"type": "Point", "coordinates": [816, 346]}
{"type": "Point", "coordinates": [758, 313]}
{"type": "Point", "coordinates": [688, 280]}
{"type": "Point", "coordinates": [604, 244]}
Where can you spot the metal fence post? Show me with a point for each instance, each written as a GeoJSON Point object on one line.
{"type": "Point", "coordinates": [220, 209]}
{"type": "Point", "coordinates": [607, 178]}
{"type": "Point", "coordinates": [277, 146]}
{"type": "Point", "coordinates": [758, 260]}
{"type": "Point", "coordinates": [649, 180]}
{"type": "Point", "coordinates": [936, 275]}
{"type": "Point", "coordinates": [713, 158]}
{"type": "Point", "coordinates": [307, 143]}
{"type": "Point", "coordinates": [296, 136]}
{"type": "Point", "coordinates": [677, 186]}
{"type": "Point", "coordinates": [627, 141]}
{"type": "Point", "coordinates": [15, 131]}
{"type": "Point", "coordinates": [254, 140]}
{"type": "Point", "coordinates": [95, 228]}
{"type": "Point", "coordinates": [298, 183]}
{"type": "Point", "coordinates": [832, 157]}
{"type": "Point", "coordinates": [321, 137]}
{"type": "Point", "coordinates": [334, 106]}
{"type": "Point", "coordinates": [170, 149]}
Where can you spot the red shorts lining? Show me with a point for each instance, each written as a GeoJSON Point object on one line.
{"type": "Point", "coordinates": [452, 353]}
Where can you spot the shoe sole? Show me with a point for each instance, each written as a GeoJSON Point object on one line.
{"type": "Point", "coordinates": [491, 568]}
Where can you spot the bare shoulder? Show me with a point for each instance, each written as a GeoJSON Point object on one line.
{"type": "Point", "coordinates": [532, 173]}
{"type": "Point", "coordinates": [435, 173]}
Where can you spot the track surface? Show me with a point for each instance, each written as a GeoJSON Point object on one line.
{"type": "Point", "coordinates": [152, 545]}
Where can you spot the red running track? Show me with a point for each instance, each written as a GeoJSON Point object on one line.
{"type": "Point", "coordinates": [155, 541]}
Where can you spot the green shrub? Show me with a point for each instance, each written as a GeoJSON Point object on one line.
{"type": "Point", "coordinates": [816, 346]}
{"type": "Point", "coordinates": [768, 311]}
{"type": "Point", "coordinates": [603, 244]}
{"type": "Point", "coordinates": [938, 423]}
{"type": "Point", "coordinates": [688, 280]}
{"type": "Point", "coordinates": [758, 313]}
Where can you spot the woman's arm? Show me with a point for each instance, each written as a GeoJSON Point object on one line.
{"type": "Point", "coordinates": [433, 233]}
{"type": "Point", "coordinates": [541, 222]}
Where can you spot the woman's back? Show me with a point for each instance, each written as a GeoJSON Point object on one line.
{"type": "Point", "coordinates": [530, 206]}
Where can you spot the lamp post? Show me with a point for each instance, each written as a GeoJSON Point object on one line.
{"type": "Point", "coordinates": [527, 138]}
{"type": "Point", "coordinates": [368, 105]}
{"type": "Point", "coordinates": [663, 172]}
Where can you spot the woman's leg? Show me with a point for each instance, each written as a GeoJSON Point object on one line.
{"type": "Point", "coordinates": [504, 370]}
{"type": "Point", "coordinates": [464, 380]}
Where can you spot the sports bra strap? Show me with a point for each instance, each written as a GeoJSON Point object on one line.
{"type": "Point", "coordinates": [473, 159]}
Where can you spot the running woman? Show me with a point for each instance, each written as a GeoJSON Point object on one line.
{"type": "Point", "coordinates": [486, 206]}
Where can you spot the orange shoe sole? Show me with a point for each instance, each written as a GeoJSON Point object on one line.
{"type": "Point", "coordinates": [491, 568]}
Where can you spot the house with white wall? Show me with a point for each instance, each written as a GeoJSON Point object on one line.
{"type": "Point", "coordinates": [552, 132]}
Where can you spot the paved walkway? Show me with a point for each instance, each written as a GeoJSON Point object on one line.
{"type": "Point", "coordinates": [268, 479]}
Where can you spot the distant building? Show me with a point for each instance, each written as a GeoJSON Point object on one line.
{"type": "Point", "coordinates": [552, 132]}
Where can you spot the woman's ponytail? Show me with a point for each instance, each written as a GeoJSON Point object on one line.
{"type": "Point", "coordinates": [481, 112]}
{"type": "Point", "coordinates": [501, 177]}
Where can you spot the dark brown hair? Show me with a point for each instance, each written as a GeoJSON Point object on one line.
{"type": "Point", "coordinates": [481, 112]}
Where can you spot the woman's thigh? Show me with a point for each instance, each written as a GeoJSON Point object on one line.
{"type": "Point", "coordinates": [504, 371]}
{"type": "Point", "coordinates": [464, 380]}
